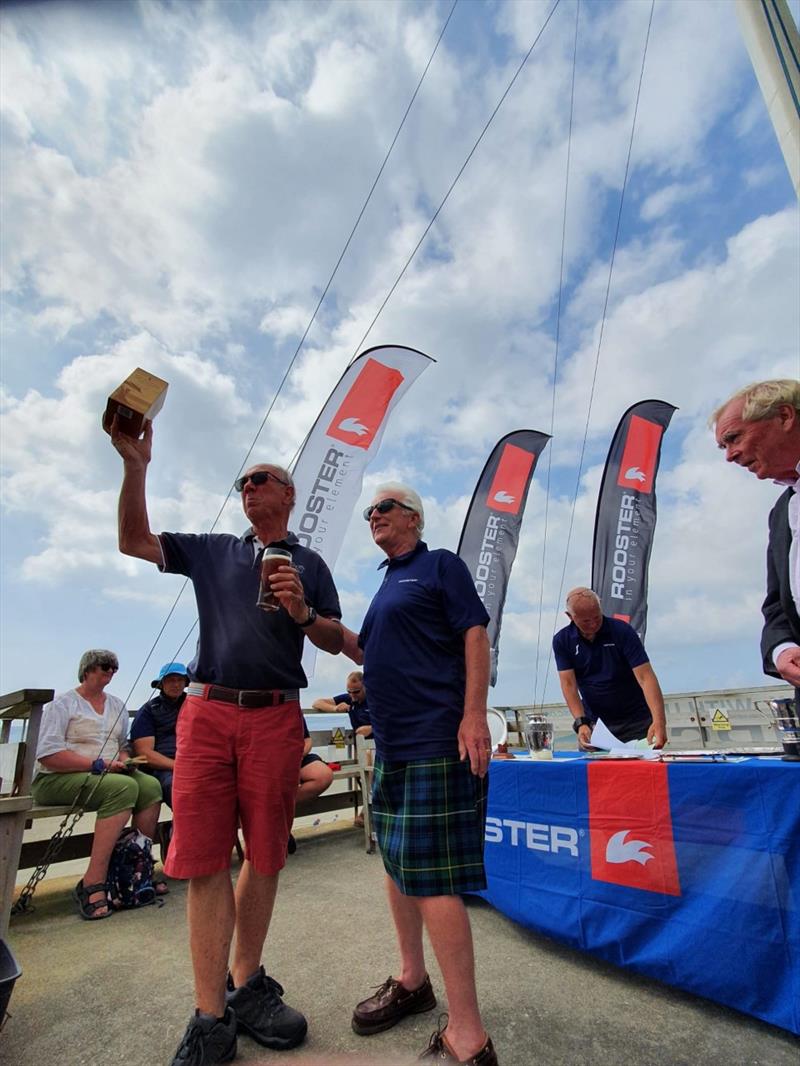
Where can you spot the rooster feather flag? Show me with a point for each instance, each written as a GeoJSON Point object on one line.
{"type": "Point", "coordinates": [626, 513]}
{"type": "Point", "coordinates": [329, 470]}
{"type": "Point", "coordinates": [490, 535]}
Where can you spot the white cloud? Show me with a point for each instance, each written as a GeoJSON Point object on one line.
{"type": "Point", "coordinates": [178, 182]}
{"type": "Point", "coordinates": [283, 322]}
{"type": "Point", "coordinates": [664, 200]}
{"type": "Point", "coordinates": [758, 177]}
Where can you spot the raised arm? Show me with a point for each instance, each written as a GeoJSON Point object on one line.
{"type": "Point", "coordinates": [135, 536]}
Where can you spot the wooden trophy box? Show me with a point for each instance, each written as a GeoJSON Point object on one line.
{"type": "Point", "coordinates": [139, 397]}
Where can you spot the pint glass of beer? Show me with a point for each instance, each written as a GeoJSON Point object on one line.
{"type": "Point", "coordinates": [270, 561]}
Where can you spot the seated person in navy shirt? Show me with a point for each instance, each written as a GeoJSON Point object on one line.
{"type": "Point", "coordinates": [353, 703]}
{"type": "Point", "coordinates": [153, 729]}
{"type": "Point", "coordinates": [315, 778]}
{"type": "Point", "coordinates": [605, 673]}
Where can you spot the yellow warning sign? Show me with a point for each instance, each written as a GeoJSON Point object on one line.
{"type": "Point", "coordinates": [337, 736]}
{"type": "Point", "coordinates": [720, 721]}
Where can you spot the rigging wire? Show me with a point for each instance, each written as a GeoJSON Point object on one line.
{"type": "Point", "coordinates": [438, 210]}
{"type": "Point", "coordinates": [455, 180]}
{"type": "Point", "coordinates": [601, 332]}
{"type": "Point", "coordinates": [311, 321]}
{"type": "Point", "coordinates": [71, 818]}
{"type": "Point", "coordinates": [555, 355]}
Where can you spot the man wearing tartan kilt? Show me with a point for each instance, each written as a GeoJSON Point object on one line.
{"type": "Point", "coordinates": [425, 651]}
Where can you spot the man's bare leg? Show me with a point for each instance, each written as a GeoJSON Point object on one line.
{"type": "Point", "coordinates": [146, 821]}
{"type": "Point", "coordinates": [255, 899]}
{"type": "Point", "coordinates": [314, 780]}
{"type": "Point", "coordinates": [408, 923]}
{"type": "Point", "coordinates": [210, 909]}
{"type": "Point", "coordinates": [447, 922]}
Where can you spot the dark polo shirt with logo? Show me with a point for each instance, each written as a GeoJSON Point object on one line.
{"type": "Point", "coordinates": [358, 713]}
{"type": "Point", "coordinates": [604, 672]}
{"type": "Point", "coordinates": [413, 642]}
{"type": "Point", "coordinates": [241, 646]}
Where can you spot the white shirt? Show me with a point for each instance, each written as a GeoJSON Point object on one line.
{"type": "Point", "coordinates": [70, 723]}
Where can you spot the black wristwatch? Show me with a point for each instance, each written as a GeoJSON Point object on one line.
{"type": "Point", "coordinates": [98, 766]}
{"type": "Point", "coordinates": [312, 617]}
{"type": "Point", "coordinates": [581, 721]}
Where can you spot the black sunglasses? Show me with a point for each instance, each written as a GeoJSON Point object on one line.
{"type": "Point", "coordinates": [260, 477]}
{"type": "Point", "coordinates": [105, 665]}
{"type": "Point", "coordinates": [384, 507]}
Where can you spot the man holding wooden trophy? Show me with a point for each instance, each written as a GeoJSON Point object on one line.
{"type": "Point", "coordinates": [240, 731]}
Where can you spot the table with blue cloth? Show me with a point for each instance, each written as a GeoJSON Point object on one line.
{"type": "Point", "coordinates": [688, 872]}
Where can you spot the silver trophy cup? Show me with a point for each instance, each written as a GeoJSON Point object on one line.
{"type": "Point", "coordinates": [539, 736]}
{"type": "Point", "coordinates": [786, 722]}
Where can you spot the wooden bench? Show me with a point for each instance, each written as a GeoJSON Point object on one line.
{"type": "Point", "coordinates": [18, 812]}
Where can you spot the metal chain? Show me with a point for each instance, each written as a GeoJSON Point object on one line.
{"type": "Point", "coordinates": [57, 841]}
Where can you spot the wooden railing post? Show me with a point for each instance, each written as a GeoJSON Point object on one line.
{"type": "Point", "coordinates": [26, 704]}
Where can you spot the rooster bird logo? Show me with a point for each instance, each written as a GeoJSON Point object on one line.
{"type": "Point", "coordinates": [619, 849]}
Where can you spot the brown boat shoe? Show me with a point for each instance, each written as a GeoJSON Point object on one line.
{"type": "Point", "coordinates": [438, 1050]}
{"type": "Point", "coordinates": [391, 1003]}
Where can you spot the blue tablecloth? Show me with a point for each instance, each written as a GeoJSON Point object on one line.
{"type": "Point", "coordinates": [686, 872]}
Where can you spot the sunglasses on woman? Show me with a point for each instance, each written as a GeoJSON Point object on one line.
{"type": "Point", "coordinates": [259, 477]}
{"type": "Point", "coordinates": [384, 507]}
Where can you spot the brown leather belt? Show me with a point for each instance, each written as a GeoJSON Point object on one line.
{"type": "Point", "coordinates": [243, 697]}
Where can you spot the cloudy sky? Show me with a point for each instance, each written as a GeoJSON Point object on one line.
{"type": "Point", "coordinates": [178, 181]}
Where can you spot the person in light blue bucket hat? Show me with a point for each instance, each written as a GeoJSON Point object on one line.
{"type": "Point", "coordinates": [153, 730]}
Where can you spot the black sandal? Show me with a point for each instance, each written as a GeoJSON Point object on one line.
{"type": "Point", "coordinates": [88, 911]}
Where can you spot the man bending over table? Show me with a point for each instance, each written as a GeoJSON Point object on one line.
{"type": "Point", "coordinates": [605, 673]}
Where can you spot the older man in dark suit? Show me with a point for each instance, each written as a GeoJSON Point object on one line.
{"type": "Point", "coordinates": [759, 428]}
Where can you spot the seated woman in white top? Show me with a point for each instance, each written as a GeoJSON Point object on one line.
{"type": "Point", "coordinates": [84, 733]}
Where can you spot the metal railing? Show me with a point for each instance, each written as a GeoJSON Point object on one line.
{"type": "Point", "coordinates": [718, 719]}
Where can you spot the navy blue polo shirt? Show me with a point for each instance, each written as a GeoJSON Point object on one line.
{"type": "Point", "coordinates": [358, 713]}
{"type": "Point", "coordinates": [413, 642]}
{"type": "Point", "coordinates": [604, 672]}
{"type": "Point", "coordinates": [241, 646]}
{"type": "Point", "coordinates": [158, 718]}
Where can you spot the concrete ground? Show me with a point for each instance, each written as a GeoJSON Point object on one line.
{"type": "Point", "coordinates": [119, 991]}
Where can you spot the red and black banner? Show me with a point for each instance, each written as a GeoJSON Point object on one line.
{"type": "Point", "coordinates": [626, 513]}
{"type": "Point", "coordinates": [488, 543]}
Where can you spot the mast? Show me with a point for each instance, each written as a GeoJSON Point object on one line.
{"type": "Point", "coordinates": [772, 40]}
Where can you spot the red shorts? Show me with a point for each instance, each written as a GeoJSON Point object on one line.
{"type": "Point", "coordinates": [235, 765]}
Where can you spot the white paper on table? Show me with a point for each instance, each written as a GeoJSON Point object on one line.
{"type": "Point", "coordinates": [602, 737]}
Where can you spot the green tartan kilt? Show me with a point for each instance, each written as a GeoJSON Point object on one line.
{"type": "Point", "coordinates": [429, 817]}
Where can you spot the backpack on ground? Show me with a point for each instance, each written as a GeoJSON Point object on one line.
{"type": "Point", "coordinates": [130, 871]}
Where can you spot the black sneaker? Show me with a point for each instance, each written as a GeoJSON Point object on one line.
{"type": "Point", "coordinates": [291, 846]}
{"type": "Point", "coordinates": [262, 1014]}
{"type": "Point", "coordinates": [207, 1042]}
